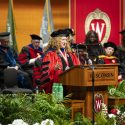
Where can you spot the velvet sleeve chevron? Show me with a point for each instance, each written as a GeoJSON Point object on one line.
{"type": "Point", "coordinates": [40, 73]}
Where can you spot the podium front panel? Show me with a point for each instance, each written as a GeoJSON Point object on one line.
{"type": "Point", "coordinates": [82, 76]}
{"type": "Point", "coordinates": [104, 75]}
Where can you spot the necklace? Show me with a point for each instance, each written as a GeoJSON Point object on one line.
{"type": "Point", "coordinates": [64, 55]}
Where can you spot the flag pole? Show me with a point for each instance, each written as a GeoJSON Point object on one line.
{"type": "Point", "coordinates": [11, 26]}
{"type": "Point", "coordinates": [47, 26]}
{"type": "Point", "coordinates": [47, 8]}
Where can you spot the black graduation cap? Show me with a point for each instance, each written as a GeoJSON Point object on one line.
{"type": "Point", "coordinates": [35, 37]}
{"type": "Point", "coordinates": [122, 32]}
{"type": "Point", "coordinates": [82, 46]}
{"type": "Point", "coordinates": [59, 33]}
{"type": "Point", "coordinates": [110, 44]}
{"type": "Point", "coordinates": [70, 31]}
{"type": "Point", "coordinates": [4, 35]}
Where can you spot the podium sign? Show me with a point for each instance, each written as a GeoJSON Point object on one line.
{"type": "Point", "coordinates": [104, 75]}
{"type": "Point", "coordinates": [82, 76]}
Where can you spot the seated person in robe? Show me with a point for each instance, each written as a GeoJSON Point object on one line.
{"type": "Point", "coordinates": [8, 61]}
{"type": "Point", "coordinates": [120, 54]}
{"type": "Point", "coordinates": [109, 56]}
{"type": "Point", "coordinates": [29, 54]}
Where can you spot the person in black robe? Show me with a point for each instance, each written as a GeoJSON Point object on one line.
{"type": "Point", "coordinates": [120, 54]}
{"type": "Point", "coordinates": [94, 48]}
{"type": "Point", "coordinates": [8, 60]}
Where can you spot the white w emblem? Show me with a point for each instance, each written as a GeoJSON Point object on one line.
{"type": "Point", "coordinates": [98, 102]}
{"type": "Point", "coordinates": [99, 26]}
{"type": "Point", "coordinates": [98, 29]}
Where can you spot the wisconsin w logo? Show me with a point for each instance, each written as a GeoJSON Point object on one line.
{"type": "Point", "coordinates": [99, 29]}
{"type": "Point", "coordinates": [99, 22]}
{"type": "Point", "coordinates": [98, 102]}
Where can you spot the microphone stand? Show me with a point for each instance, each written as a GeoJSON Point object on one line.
{"type": "Point", "coordinates": [77, 50]}
{"type": "Point", "coordinates": [93, 80]}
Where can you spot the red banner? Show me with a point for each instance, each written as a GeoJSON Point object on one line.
{"type": "Point", "coordinates": [103, 16]}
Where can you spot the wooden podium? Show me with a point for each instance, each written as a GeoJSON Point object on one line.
{"type": "Point", "coordinates": [104, 75]}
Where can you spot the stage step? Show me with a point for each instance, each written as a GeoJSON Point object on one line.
{"type": "Point", "coordinates": [76, 106]}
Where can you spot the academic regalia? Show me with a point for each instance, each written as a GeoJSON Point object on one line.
{"type": "Point", "coordinates": [112, 59]}
{"type": "Point", "coordinates": [120, 54]}
{"type": "Point", "coordinates": [8, 58]}
{"type": "Point", "coordinates": [27, 53]}
{"type": "Point", "coordinates": [108, 59]}
{"type": "Point", "coordinates": [65, 60]}
{"type": "Point", "coordinates": [94, 50]}
{"type": "Point", "coordinates": [40, 75]}
{"type": "Point", "coordinates": [7, 55]}
{"type": "Point", "coordinates": [103, 59]}
{"type": "Point", "coordinates": [54, 58]}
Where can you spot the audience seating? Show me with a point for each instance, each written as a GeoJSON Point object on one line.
{"type": "Point", "coordinates": [10, 83]}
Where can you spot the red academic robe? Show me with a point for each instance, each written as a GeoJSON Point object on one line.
{"type": "Point", "coordinates": [53, 57]}
{"type": "Point", "coordinates": [109, 59]}
{"type": "Point", "coordinates": [27, 53]}
{"type": "Point", "coordinates": [40, 74]}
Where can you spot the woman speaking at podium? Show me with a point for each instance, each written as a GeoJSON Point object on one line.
{"type": "Point", "coordinates": [61, 58]}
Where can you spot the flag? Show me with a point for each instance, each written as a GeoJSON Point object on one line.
{"type": "Point", "coordinates": [11, 26]}
{"type": "Point", "coordinates": [47, 23]}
